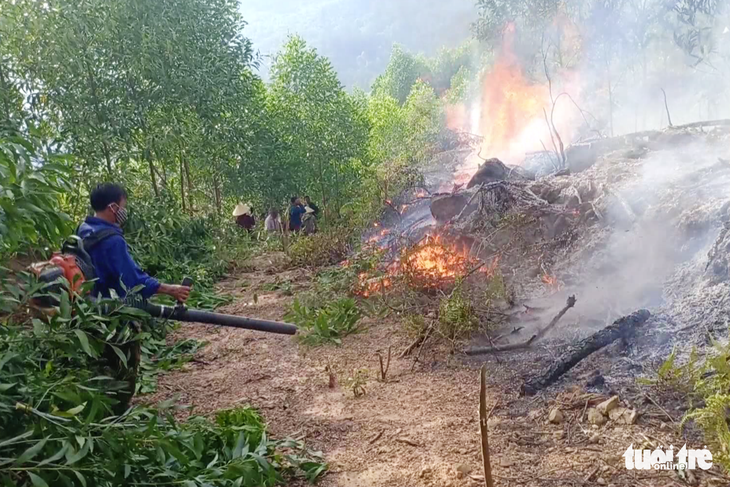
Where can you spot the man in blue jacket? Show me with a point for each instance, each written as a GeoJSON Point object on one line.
{"type": "Point", "coordinates": [112, 262]}
{"type": "Point", "coordinates": [113, 266]}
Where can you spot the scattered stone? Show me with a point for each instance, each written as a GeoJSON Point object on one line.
{"type": "Point", "coordinates": [607, 406]}
{"type": "Point", "coordinates": [494, 422]}
{"type": "Point", "coordinates": [506, 462]}
{"type": "Point", "coordinates": [556, 416]}
{"type": "Point", "coordinates": [601, 481]}
{"type": "Point", "coordinates": [462, 471]}
{"type": "Point", "coordinates": [596, 418]}
{"type": "Point", "coordinates": [615, 414]}
{"type": "Point", "coordinates": [623, 415]}
{"type": "Point", "coordinates": [425, 472]}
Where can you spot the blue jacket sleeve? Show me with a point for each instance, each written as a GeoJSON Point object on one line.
{"type": "Point", "coordinates": [130, 272]}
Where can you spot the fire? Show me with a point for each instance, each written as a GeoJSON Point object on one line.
{"type": "Point", "coordinates": [490, 269]}
{"type": "Point", "coordinates": [510, 111]}
{"type": "Point", "coordinates": [432, 263]}
{"type": "Point", "coordinates": [367, 286]}
{"type": "Point", "coordinates": [552, 281]}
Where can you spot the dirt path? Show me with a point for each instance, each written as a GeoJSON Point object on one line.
{"type": "Point", "coordinates": [417, 429]}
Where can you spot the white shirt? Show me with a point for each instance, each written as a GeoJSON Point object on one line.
{"type": "Point", "coordinates": [272, 224]}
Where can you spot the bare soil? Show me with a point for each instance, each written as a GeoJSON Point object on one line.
{"type": "Point", "coordinates": [419, 427]}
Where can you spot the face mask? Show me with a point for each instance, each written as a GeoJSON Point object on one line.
{"type": "Point", "coordinates": [121, 215]}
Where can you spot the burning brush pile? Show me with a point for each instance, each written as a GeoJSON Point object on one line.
{"type": "Point", "coordinates": [430, 265]}
{"type": "Point", "coordinates": [439, 286]}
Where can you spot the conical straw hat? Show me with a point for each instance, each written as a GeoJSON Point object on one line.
{"type": "Point", "coordinates": [241, 209]}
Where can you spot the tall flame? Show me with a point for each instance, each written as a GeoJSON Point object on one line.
{"type": "Point", "coordinates": [510, 113]}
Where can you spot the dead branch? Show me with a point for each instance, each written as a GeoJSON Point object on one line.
{"type": "Point", "coordinates": [621, 328]}
{"type": "Point", "coordinates": [407, 442]}
{"type": "Point", "coordinates": [410, 348]}
{"type": "Point", "coordinates": [552, 137]}
{"type": "Point", "coordinates": [384, 370]}
{"type": "Point", "coordinates": [376, 437]}
{"type": "Point", "coordinates": [479, 189]}
{"type": "Point", "coordinates": [483, 429]}
{"type": "Point", "coordinates": [423, 344]}
{"type": "Point", "coordinates": [660, 408]}
{"type": "Point", "coordinates": [666, 107]}
{"type": "Point", "coordinates": [526, 344]}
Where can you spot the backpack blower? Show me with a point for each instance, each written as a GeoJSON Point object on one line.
{"type": "Point", "coordinates": [74, 264]}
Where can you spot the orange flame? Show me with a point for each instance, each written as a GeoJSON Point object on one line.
{"type": "Point", "coordinates": [366, 286]}
{"type": "Point", "coordinates": [510, 113]}
{"type": "Point", "coordinates": [490, 269]}
{"type": "Point", "coordinates": [552, 281]}
{"type": "Point", "coordinates": [432, 263]}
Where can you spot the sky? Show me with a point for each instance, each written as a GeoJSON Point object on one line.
{"type": "Point", "coordinates": [357, 35]}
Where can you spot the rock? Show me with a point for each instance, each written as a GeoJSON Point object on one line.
{"type": "Point", "coordinates": [629, 416]}
{"type": "Point", "coordinates": [594, 439]}
{"type": "Point", "coordinates": [601, 481]}
{"type": "Point", "coordinates": [556, 416]}
{"type": "Point", "coordinates": [494, 422]}
{"type": "Point", "coordinates": [606, 406]}
{"type": "Point", "coordinates": [425, 472]}
{"type": "Point", "coordinates": [506, 462]}
{"type": "Point", "coordinates": [623, 416]}
{"type": "Point", "coordinates": [462, 471]}
{"type": "Point", "coordinates": [615, 414]}
{"type": "Point", "coordinates": [492, 170]}
{"type": "Point", "coordinates": [595, 417]}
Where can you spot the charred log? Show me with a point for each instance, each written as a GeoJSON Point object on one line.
{"type": "Point", "coordinates": [526, 344]}
{"type": "Point", "coordinates": [621, 328]}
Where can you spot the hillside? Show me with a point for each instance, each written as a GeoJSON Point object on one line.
{"type": "Point", "coordinates": [357, 35]}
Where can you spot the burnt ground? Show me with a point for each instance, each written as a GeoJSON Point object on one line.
{"type": "Point", "coordinates": [420, 427]}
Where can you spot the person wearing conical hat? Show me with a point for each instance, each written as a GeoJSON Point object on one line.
{"type": "Point", "coordinates": [244, 217]}
{"type": "Point", "coordinates": [309, 221]}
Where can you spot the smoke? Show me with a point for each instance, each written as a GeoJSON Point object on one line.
{"type": "Point", "coordinates": [662, 217]}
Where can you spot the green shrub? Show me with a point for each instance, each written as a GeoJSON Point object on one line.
{"type": "Point", "coordinates": [706, 383]}
{"type": "Point", "coordinates": [327, 324]}
{"type": "Point", "coordinates": [329, 246]}
{"type": "Point", "coordinates": [57, 427]}
{"type": "Point", "coordinates": [457, 316]}
{"type": "Point", "coordinates": [30, 194]}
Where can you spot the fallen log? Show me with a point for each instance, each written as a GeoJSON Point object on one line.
{"type": "Point", "coordinates": [519, 346]}
{"type": "Point", "coordinates": [621, 328]}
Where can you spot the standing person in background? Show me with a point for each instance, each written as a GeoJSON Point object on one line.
{"type": "Point", "coordinates": [314, 207]}
{"type": "Point", "coordinates": [272, 224]}
{"type": "Point", "coordinates": [296, 210]}
{"type": "Point", "coordinates": [244, 218]}
{"type": "Point", "coordinates": [309, 221]}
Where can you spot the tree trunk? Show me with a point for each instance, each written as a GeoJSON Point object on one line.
{"type": "Point", "coordinates": [99, 119]}
{"type": "Point", "coordinates": [190, 183]}
{"type": "Point", "coordinates": [621, 328]}
{"type": "Point", "coordinates": [182, 183]}
{"type": "Point", "coordinates": [217, 193]}
{"type": "Point", "coordinates": [153, 177]}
